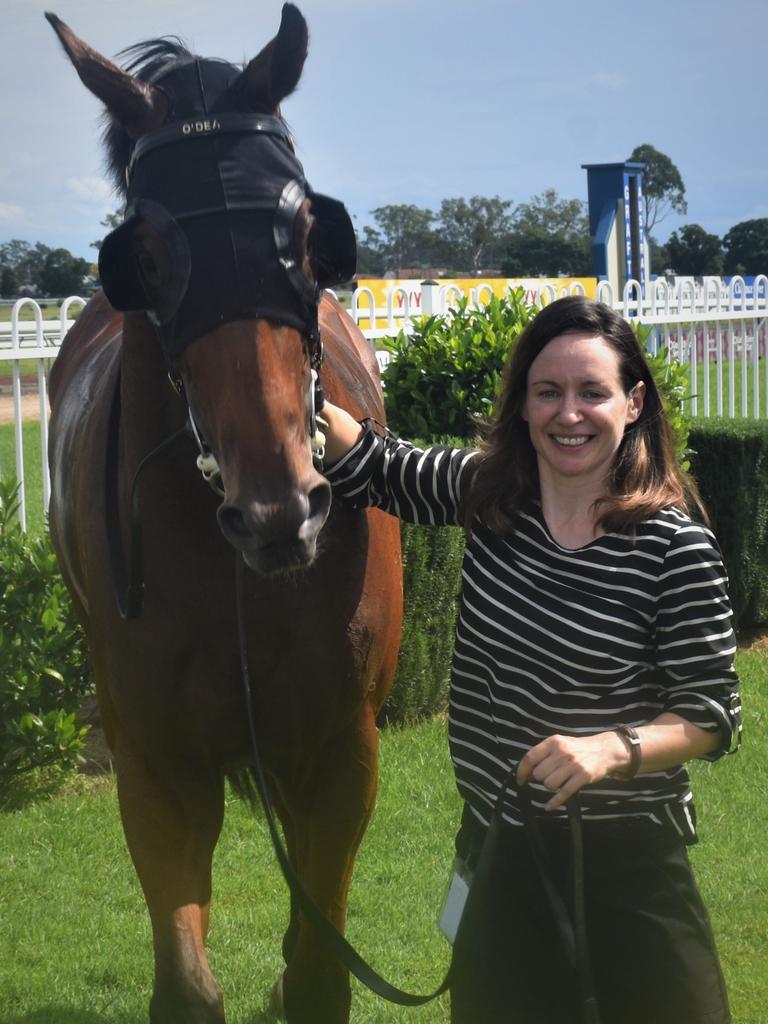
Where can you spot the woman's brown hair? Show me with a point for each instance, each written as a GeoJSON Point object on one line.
{"type": "Point", "coordinates": [646, 475]}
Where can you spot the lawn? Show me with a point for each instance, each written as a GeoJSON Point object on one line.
{"type": "Point", "coordinates": [51, 310]}
{"type": "Point", "coordinates": [74, 936]}
{"type": "Point", "coordinates": [33, 471]}
{"type": "Point", "coordinates": [741, 409]}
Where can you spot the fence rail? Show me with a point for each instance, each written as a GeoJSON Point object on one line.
{"type": "Point", "coordinates": [717, 329]}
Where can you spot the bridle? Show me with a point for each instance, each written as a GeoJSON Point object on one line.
{"type": "Point", "coordinates": [251, 199]}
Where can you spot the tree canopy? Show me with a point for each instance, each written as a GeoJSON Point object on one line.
{"type": "Point", "coordinates": [549, 236]}
{"type": "Point", "coordinates": [41, 270]}
{"type": "Point", "coordinates": [692, 250]}
{"type": "Point", "coordinates": [403, 236]}
{"type": "Point", "coordinates": [746, 247]}
{"type": "Point", "coordinates": [663, 186]}
{"type": "Point", "coordinates": [62, 273]}
{"type": "Point", "coordinates": [472, 231]}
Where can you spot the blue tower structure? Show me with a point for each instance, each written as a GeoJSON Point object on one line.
{"type": "Point", "coordinates": [617, 223]}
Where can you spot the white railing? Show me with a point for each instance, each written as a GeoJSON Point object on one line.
{"type": "Point", "coordinates": [37, 342]}
{"type": "Point", "coordinates": [707, 324]}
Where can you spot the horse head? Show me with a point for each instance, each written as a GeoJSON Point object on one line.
{"type": "Point", "coordinates": [225, 249]}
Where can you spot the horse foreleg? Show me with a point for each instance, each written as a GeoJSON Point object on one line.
{"type": "Point", "coordinates": [172, 816]}
{"type": "Point", "coordinates": [330, 825]}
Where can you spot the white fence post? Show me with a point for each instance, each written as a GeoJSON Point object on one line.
{"type": "Point", "coordinates": [430, 298]}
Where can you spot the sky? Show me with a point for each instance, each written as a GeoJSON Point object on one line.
{"type": "Point", "coordinates": [414, 101]}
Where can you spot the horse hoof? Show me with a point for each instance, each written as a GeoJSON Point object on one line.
{"type": "Point", "coordinates": [276, 1004]}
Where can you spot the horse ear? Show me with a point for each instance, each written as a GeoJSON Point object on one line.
{"type": "Point", "coordinates": [275, 72]}
{"type": "Point", "coordinates": [138, 106]}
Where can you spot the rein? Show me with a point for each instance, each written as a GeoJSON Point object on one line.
{"type": "Point", "coordinates": [342, 949]}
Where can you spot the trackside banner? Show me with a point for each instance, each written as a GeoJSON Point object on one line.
{"type": "Point", "coordinates": [406, 295]}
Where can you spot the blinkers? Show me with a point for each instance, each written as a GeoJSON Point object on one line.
{"type": "Point", "coordinates": [210, 231]}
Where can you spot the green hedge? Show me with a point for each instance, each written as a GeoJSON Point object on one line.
{"type": "Point", "coordinates": [431, 578]}
{"type": "Point", "coordinates": [730, 464]}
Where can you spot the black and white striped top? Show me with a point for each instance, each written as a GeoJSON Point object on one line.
{"type": "Point", "coordinates": [557, 641]}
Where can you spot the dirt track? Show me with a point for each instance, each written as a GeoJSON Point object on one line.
{"type": "Point", "coordinates": [30, 408]}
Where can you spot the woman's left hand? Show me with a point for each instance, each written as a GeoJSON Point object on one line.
{"type": "Point", "coordinates": [566, 763]}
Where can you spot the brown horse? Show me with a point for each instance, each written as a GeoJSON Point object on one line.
{"type": "Point", "coordinates": [217, 270]}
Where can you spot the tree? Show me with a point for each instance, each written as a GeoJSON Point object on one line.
{"type": "Point", "coordinates": [369, 261]}
{"type": "Point", "coordinates": [663, 186]}
{"type": "Point", "coordinates": [25, 260]}
{"type": "Point", "coordinates": [473, 231]}
{"type": "Point", "coordinates": [9, 283]}
{"type": "Point", "coordinates": [746, 247]}
{"type": "Point", "coordinates": [658, 255]}
{"type": "Point", "coordinates": [550, 236]}
{"type": "Point", "coordinates": [693, 250]}
{"type": "Point", "coordinates": [63, 273]}
{"type": "Point", "coordinates": [403, 236]}
{"type": "Point", "coordinates": [535, 254]}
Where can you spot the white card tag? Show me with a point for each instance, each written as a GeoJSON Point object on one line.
{"type": "Point", "coordinates": [453, 908]}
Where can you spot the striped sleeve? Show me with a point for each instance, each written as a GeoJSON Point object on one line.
{"type": "Point", "coordinates": [695, 643]}
{"type": "Point", "coordinates": [419, 485]}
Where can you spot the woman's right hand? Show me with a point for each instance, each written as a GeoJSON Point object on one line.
{"type": "Point", "coordinates": [342, 431]}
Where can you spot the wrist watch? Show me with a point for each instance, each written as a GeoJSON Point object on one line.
{"type": "Point", "coordinates": [632, 740]}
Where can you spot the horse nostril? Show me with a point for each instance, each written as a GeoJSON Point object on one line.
{"type": "Point", "coordinates": [319, 499]}
{"type": "Point", "coordinates": [232, 522]}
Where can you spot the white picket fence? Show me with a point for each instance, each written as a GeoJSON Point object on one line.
{"type": "Point", "coordinates": [37, 341]}
{"type": "Point", "coordinates": [707, 323]}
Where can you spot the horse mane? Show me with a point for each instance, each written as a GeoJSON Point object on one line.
{"type": "Point", "coordinates": [145, 61]}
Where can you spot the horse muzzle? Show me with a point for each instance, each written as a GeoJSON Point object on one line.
{"type": "Point", "coordinates": [277, 537]}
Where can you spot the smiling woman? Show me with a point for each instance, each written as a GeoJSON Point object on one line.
{"type": "Point", "coordinates": [593, 651]}
{"type": "Point", "coordinates": [577, 412]}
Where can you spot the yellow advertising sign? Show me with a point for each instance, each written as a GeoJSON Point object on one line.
{"type": "Point", "coordinates": [392, 297]}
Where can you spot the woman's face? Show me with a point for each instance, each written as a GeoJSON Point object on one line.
{"type": "Point", "coordinates": [577, 409]}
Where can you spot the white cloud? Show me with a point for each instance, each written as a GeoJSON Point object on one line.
{"type": "Point", "coordinates": [9, 211]}
{"type": "Point", "coordinates": [94, 189]}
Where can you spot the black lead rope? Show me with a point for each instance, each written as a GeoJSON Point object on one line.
{"type": "Point", "coordinates": [570, 922]}
{"type": "Point", "coordinates": [334, 940]}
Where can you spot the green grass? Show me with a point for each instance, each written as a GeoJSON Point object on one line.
{"type": "Point", "coordinates": [74, 935]}
{"type": "Point", "coordinates": [740, 408]}
{"type": "Point", "coordinates": [50, 311]}
{"type": "Point", "coordinates": [28, 369]}
{"type": "Point", "coordinates": [33, 471]}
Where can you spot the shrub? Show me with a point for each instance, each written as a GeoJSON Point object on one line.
{"type": "Point", "coordinates": [730, 464]}
{"type": "Point", "coordinates": [44, 670]}
{"type": "Point", "coordinates": [671, 379]}
{"type": "Point", "coordinates": [444, 377]}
